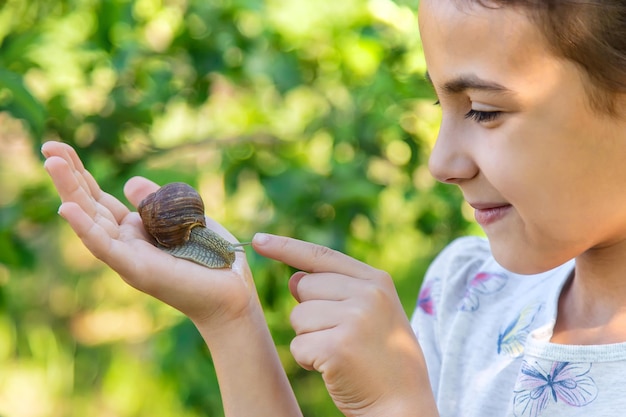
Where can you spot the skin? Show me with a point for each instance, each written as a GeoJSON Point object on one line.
{"type": "Point", "coordinates": [350, 325]}
{"type": "Point", "coordinates": [545, 174]}
{"type": "Point", "coordinates": [221, 303]}
{"type": "Point", "coordinates": [553, 166]}
{"type": "Point", "coordinates": [351, 328]}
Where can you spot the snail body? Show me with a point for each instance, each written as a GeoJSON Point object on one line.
{"type": "Point", "coordinates": [174, 217]}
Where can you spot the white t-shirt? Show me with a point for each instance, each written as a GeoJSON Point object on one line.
{"type": "Point", "coordinates": [485, 334]}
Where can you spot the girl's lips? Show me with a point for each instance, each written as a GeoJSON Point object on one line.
{"type": "Point", "coordinates": [487, 214]}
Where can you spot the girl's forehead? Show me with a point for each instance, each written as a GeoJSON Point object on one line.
{"type": "Point", "coordinates": [492, 42]}
{"type": "Point", "coordinates": [455, 22]}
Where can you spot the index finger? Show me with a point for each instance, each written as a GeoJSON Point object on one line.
{"type": "Point", "coordinates": [75, 184]}
{"type": "Point", "coordinates": [309, 257]}
{"type": "Point", "coordinates": [84, 179]}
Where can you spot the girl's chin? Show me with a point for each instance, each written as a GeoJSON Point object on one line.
{"type": "Point", "coordinates": [519, 259]}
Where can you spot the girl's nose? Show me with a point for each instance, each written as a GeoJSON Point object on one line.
{"type": "Point", "coordinates": [450, 160]}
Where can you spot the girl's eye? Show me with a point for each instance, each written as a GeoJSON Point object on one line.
{"type": "Point", "coordinates": [482, 116]}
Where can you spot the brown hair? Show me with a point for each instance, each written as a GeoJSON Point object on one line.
{"type": "Point", "coordinates": [591, 33]}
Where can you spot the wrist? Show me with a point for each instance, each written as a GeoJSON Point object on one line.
{"type": "Point", "coordinates": [417, 404]}
{"type": "Point", "coordinates": [226, 330]}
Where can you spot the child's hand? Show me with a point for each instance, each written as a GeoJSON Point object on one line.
{"type": "Point", "coordinates": [351, 327]}
{"type": "Point", "coordinates": [116, 235]}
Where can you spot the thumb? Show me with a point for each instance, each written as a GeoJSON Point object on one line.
{"type": "Point", "coordinates": [293, 284]}
{"type": "Point", "coordinates": [138, 188]}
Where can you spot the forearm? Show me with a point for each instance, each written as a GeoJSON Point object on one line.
{"type": "Point", "coordinates": [251, 377]}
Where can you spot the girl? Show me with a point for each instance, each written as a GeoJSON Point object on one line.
{"type": "Point", "coordinates": [533, 95]}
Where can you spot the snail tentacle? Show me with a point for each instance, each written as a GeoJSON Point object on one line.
{"type": "Point", "coordinates": [238, 247]}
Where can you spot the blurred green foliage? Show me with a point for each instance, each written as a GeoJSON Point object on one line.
{"type": "Point", "coordinates": [309, 119]}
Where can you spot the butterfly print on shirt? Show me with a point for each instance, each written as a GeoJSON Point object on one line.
{"type": "Point", "coordinates": [566, 383]}
{"type": "Point", "coordinates": [425, 300]}
{"type": "Point", "coordinates": [512, 339]}
{"type": "Point", "coordinates": [483, 283]}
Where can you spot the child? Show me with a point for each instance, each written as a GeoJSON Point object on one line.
{"type": "Point", "coordinates": [533, 95]}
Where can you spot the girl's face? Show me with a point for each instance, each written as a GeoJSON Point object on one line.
{"type": "Point", "coordinates": [544, 172]}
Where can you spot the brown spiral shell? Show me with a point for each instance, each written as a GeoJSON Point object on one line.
{"type": "Point", "coordinates": [171, 212]}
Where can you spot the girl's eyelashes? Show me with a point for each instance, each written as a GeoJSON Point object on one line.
{"type": "Point", "coordinates": [482, 116]}
{"type": "Point", "coordinates": [478, 116]}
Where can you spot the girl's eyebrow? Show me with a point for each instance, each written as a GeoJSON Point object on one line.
{"type": "Point", "coordinates": [469, 82]}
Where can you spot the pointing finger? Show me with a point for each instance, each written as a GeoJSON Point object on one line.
{"type": "Point", "coordinates": [309, 257]}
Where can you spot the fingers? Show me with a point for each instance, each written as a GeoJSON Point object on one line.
{"type": "Point", "coordinates": [121, 251]}
{"type": "Point", "coordinates": [69, 184]}
{"type": "Point", "coordinates": [324, 286]}
{"type": "Point", "coordinates": [138, 188]}
{"type": "Point", "coordinates": [309, 257]}
{"type": "Point", "coordinates": [63, 151]}
{"type": "Point", "coordinates": [94, 237]}
{"type": "Point", "coordinates": [311, 350]}
{"type": "Point", "coordinates": [331, 274]}
{"type": "Point", "coordinates": [293, 284]}
{"type": "Point", "coordinates": [327, 300]}
{"type": "Point", "coordinates": [319, 332]}
{"type": "Point", "coordinates": [329, 346]}
{"type": "Point", "coordinates": [102, 241]}
{"type": "Point", "coordinates": [75, 184]}
{"type": "Point", "coordinates": [315, 316]}
{"type": "Point", "coordinates": [66, 153]}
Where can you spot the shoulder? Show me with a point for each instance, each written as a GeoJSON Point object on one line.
{"type": "Point", "coordinates": [461, 256]}
{"type": "Point", "coordinates": [445, 290]}
{"type": "Point", "coordinates": [459, 263]}
{"type": "Point", "coordinates": [448, 276]}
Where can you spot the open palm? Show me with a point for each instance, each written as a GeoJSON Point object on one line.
{"type": "Point", "coordinates": [116, 236]}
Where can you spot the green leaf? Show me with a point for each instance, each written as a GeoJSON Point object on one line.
{"type": "Point", "coordinates": [19, 102]}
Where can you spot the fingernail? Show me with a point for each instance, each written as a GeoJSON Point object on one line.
{"type": "Point", "coordinates": [260, 238]}
{"type": "Point", "coordinates": [43, 149]}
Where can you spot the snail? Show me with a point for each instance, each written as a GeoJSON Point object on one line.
{"type": "Point", "coordinates": [174, 217]}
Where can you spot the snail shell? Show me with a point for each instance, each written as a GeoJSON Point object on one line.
{"type": "Point", "coordinates": [171, 212]}
{"type": "Point", "coordinates": [174, 216]}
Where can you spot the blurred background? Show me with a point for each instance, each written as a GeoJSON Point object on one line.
{"type": "Point", "coordinates": [310, 119]}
